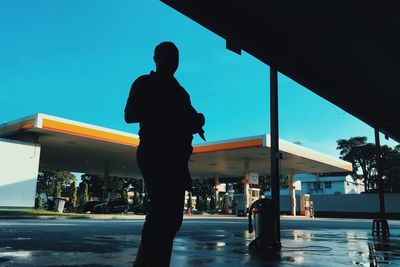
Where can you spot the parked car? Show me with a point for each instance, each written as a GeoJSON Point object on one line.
{"type": "Point", "coordinates": [88, 207]}
{"type": "Point", "coordinates": [68, 207]}
{"type": "Point", "coordinates": [113, 206]}
{"type": "Point", "coordinates": [50, 204]}
{"type": "Point", "coordinates": [140, 209]}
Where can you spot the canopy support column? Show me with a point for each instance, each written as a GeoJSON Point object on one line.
{"type": "Point", "coordinates": [292, 193]}
{"type": "Point", "coordinates": [380, 225]}
{"type": "Point", "coordinates": [275, 155]}
{"type": "Point", "coordinates": [106, 185]}
{"type": "Point", "coordinates": [216, 192]}
{"type": "Point", "coordinates": [246, 185]}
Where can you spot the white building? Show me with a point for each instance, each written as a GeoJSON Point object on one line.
{"type": "Point", "coordinates": [19, 166]}
{"type": "Point", "coordinates": [329, 184]}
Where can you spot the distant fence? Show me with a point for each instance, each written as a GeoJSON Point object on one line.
{"type": "Point", "coordinates": [349, 203]}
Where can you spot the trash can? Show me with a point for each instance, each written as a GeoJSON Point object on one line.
{"type": "Point", "coordinates": [60, 202]}
{"type": "Point", "coordinates": [264, 224]}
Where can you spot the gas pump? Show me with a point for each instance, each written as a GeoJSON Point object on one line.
{"type": "Point", "coordinates": [305, 205]}
{"type": "Point", "coordinates": [264, 223]}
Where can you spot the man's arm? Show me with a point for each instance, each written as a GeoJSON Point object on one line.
{"type": "Point", "coordinates": [197, 120]}
{"type": "Point", "coordinates": [134, 108]}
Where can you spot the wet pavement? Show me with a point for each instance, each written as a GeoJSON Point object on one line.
{"type": "Point", "coordinates": [201, 242]}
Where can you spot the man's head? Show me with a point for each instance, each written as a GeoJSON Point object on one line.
{"type": "Point", "coordinates": [166, 57]}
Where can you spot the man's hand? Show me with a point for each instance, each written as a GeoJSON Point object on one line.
{"type": "Point", "coordinates": [201, 133]}
{"type": "Point", "coordinates": [201, 121]}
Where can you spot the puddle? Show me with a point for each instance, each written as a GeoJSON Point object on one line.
{"type": "Point", "coordinates": [4, 259]}
{"type": "Point", "coordinates": [103, 237]}
{"type": "Point", "coordinates": [16, 254]}
{"type": "Point", "coordinates": [369, 264]}
{"type": "Point", "coordinates": [216, 244]}
{"type": "Point", "coordinates": [200, 262]}
{"type": "Point", "coordinates": [22, 238]}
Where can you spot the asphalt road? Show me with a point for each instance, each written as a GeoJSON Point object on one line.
{"type": "Point", "coordinates": [201, 242]}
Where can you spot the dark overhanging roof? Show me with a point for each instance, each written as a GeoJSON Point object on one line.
{"type": "Point", "coordinates": [347, 52]}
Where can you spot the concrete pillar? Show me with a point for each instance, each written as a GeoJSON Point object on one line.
{"type": "Point", "coordinates": [216, 192]}
{"type": "Point", "coordinates": [246, 185]}
{"type": "Point", "coordinates": [292, 193]}
{"type": "Point", "coordinates": [106, 185]}
{"type": "Point", "coordinates": [378, 157]}
{"type": "Point", "coordinates": [275, 155]}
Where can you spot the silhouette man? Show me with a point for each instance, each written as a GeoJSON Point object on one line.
{"type": "Point", "coordinates": [167, 124]}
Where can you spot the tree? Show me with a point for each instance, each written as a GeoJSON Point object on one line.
{"type": "Point", "coordinates": [73, 194]}
{"type": "Point", "coordinates": [84, 193]}
{"type": "Point", "coordinates": [38, 202]}
{"type": "Point", "coordinates": [116, 187]}
{"type": "Point", "coordinates": [212, 203]}
{"type": "Point", "coordinates": [126, 197]}
{"type": "Point", "coordinates": [45, 183]}
{"type": "Point", "coordinates": [201, 204]}
{"type": "Point", "coordinates": [264, 183]}
{"type": "Point", "coordinates": [65, 178]}
{"type": "Point", "coordinates": [94, 184]}
{"type": "Point", "coordinates": [138, 185]}
{"type": "Point", "coordinates": [203, 189]}
{"type": "Point", "coordinates": [391, 168]}
{"type": "Point", "coordinates": [361, 155]}
{"type": "Point", "coordinates": [136, 198]}
{"type": "Point", "coordinates": [100, 187]}
{"type": "Point", "coordinates": [190, 201]}
{"type": "Point", "coordinates": [284, 181]}
{"type": "Point", "coordinates": [48, 179]}
{"type": "Point", "coordinates": [57, 190]}
{"type": "Point", "coordinates": [225, 203]}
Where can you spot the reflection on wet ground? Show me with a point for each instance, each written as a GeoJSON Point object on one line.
{"type": "Point", "coordinates": [217, 242]}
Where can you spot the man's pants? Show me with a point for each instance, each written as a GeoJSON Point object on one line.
{"type": "Point", "coordinates": [166, 195]}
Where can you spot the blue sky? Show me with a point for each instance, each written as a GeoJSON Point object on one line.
{"type": "Point", "coordinates": [77, 60]}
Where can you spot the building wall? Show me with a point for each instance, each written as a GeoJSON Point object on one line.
{"type": "Point", "coordinates": [19, 166]}
{"type": "Point", "coordinates": [336, 187]}
{"type": "Point", "coordinates": [329, 184]}
{"type": "Point", "coordinates": [365, 203]}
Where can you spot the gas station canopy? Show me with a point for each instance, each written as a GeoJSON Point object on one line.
{"type": "Point", "coordinates": [79, 147]}
{"type": "Point", "coordinates": [347, 52]}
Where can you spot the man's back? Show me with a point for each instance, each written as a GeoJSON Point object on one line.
{"type": "Point", "coordinates": [163, 108]}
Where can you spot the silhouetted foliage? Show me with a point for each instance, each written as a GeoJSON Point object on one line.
{"type": "Point", "coordinates": [225, 203]}
{"type": "Point", "coordinates": [201, 203]}
{"type": "Point", "coordinates": [190, 201]}
{"type": "Point", "coordinates": [38, 202]}
{"type": "Point", "coordinates": [264, 183]}
{"type": "Point", "coordinates": [212, 204]}
{"type": "Point", "coordinates": [99, 187]}
{"type": "Point", "coordinates": [136, 198]}
{"type": "Point", "coordinates": [94, 183]}
{"type": "Point", "coordinates": [57, 190]}
{"type": "Point", "coordinates": [391, 168]}
{"type": "Point", "coordinates": [126, 197]}
{"type": "Point", "coordinates": [47, 181]}
{"type": "Point", "coordinates": [203, 188]}
{"type": "Point", "coordinates": [73, 198]}
{"type": "Point", "coordinates": [362, 155]}
{"type": "Point", "coordinates": [84, 193]}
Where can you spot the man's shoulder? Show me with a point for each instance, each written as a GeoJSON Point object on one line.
{"type": "Point", "coordinates": [143, 79]}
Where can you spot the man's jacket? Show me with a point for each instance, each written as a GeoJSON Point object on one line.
{"type": "Point", "coordinates": [163, 109]}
